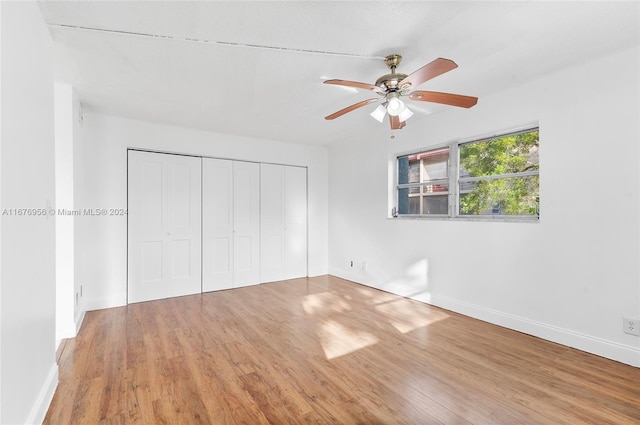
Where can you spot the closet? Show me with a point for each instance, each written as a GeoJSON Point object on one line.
{"type": "Point", "coordinates": [204, 224]}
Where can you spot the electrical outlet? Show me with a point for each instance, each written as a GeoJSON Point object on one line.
{"type": "Point", "coordinates": [364, 266]}
{"type": "Point", "coordinates": [351, 263]}
{"type": "Point", "coordinates": [631, 326]}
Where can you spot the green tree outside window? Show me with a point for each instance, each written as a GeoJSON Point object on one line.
{"type": "Point", "coordinates": [511, 185]}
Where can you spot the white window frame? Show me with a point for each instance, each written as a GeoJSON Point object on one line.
{"type": "Point", "coordinates": [454, 181]}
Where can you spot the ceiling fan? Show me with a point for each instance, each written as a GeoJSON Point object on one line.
{"type": "Point", "coordinates": [392, 86]}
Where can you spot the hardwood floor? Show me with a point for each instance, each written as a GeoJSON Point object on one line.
{"type": "Point", "coordinates": [326, 351]}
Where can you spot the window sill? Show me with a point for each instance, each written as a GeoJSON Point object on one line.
{"type": "Point", "coordinates": [494, 219]}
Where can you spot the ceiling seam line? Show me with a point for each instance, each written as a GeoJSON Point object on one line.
{"type": "Point", "coordinates": [222, 43]}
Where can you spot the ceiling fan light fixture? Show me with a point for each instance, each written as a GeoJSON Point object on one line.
{"type": "Point", "coordinates": [395, 106]}
{"type": "Point", "coordinates": [379, 113]}
{"type": "Point", "coordinates": [405, 115]}
{"type": "Point", "coordinates": [392, 86]}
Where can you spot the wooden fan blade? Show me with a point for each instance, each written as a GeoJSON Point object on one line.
{"type": "Point", "coordinates": [355, 84]}
{"type": "Point", "coordinates": [445, 98]}
{"type": "Point", "coordinates": [341, 112]}
{"type": "Point", "coordinates": [395, 122]}
{"type": "Point", "coordinates": [429, 71]}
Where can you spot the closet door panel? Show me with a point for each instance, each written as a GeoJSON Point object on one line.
{"type": "Point", "coordinates": [246, 223]}
{"type": "Point", "coordinates": [272, 240]}
{"type": "Point", "coordinates": [164, 224]}
{"type": "Point", "coordinates": [283, 222]}
{"type": "Point", "coordinates": [217, 223]}
{"type": "Point", "coordinates": [295, 212]}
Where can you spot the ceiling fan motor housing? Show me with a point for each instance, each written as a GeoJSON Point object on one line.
{"type": "Point", "coordinates": [389, 82]}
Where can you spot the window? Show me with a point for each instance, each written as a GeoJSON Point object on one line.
{"type": "Point", "coordinates": [423, 183]}
{"type": "Point", "coordinates": [495, 177]}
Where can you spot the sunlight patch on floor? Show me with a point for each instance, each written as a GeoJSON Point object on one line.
{"type": "Point", "coordinates": [325, 302]}
{"type": "Point", "coordinates": [406, 316]}
{"type": "Point", "coordinates": [338, 340]}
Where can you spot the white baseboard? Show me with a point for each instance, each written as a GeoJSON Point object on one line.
{"type": "Point", "coordinates": [41, 405]}
{"type": "Point", "coordinates": [594, 345]}
{"type": "Point", "coordinates": [79, 320]}
{"type": "Point", "coordinates": [605, 348]}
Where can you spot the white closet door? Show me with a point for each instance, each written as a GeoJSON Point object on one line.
{"type": "Point", "coordinates": [246, 223]}
{"type": "Point", "coordinates": [272, 244]}
{"type": "Point", "coordinates": [284, 222]}
{"type": "Point", "coordinates": [164, 226]}
{"type": "Point", "coordinates": [295, 210]}
{"type": "Point", "coordinates": [217, 224]}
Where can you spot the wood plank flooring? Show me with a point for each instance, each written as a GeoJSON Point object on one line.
{"type": "Point", "coordinates": [326, 351]}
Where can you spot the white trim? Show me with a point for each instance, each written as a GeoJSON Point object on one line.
{"type": "Point", "coordinates": [1, 364]}
{"type": "Point", "coordinates": [41, 405]}
{"type": "Point", "coordinates": [211, 157]}
{"type": "Point", "coordinates": [498, 176]}
{"type": "Point", "coordinates": [489, 218]}
{"type": "Point", "coordinates": [79, 320]}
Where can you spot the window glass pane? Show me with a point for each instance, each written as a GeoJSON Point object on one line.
{"type": "Point", "coordinates": [435, 188]}
{"type": "Point", "coordinates": [507, 196]}
{"type": "Point", "coordinates": [414, 171]}
{"type": "Point", "coordinates": [435, 204]}
{"type": "Point", "coordinates": [434, 199]}
{"type": "Point", "coordinates": [403, 201]}
{"type": "Point", "coordinates": [403, 169]}
{"type": "Point", "coordinates": [513, 153]}
{"type": "Point", "coordinates": [414, 205]}
{"type": "Point", "coordinates": [435, 165]}
{"type": "Point", "coordinates": [424, 167]}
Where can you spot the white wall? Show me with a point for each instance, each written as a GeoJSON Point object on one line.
{"type": "Point", "coordinates": [63, 99]}
{"type": "Point", "coordinates": [1, 32]}
{"type": "Point", "coordinates": [68, 145]}
{"type": "Point", "coordinates": [102, 241]}
{"type": "Point", "coordinates": [28, 368]}
{"type": "Point", "coordinates": [570, 277]}
{"type": "Point", "coordinates": [77, 120]}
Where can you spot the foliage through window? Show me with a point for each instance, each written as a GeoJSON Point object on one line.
{"type": "Point", "coordinates": [490, 177]}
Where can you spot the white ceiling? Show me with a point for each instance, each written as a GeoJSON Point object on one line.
{"type": "Point", "coordinates": [256, 68]}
